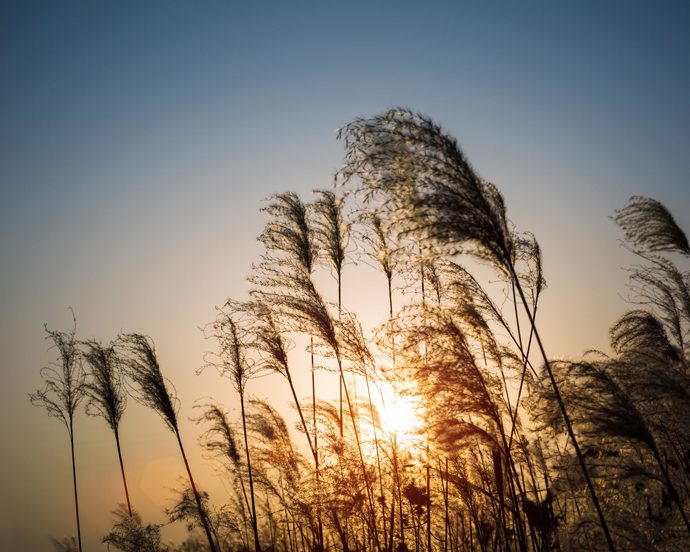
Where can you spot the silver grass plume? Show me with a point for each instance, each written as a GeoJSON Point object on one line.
{"type": "Point", "coordinates": [64, 390]}
{"type": "Point", "coordinates": [606, 410]}
{"type": "Point", "coordinates": [289, 241]}
{"type": "Point", "coordinates": [292, 294]}
{"type": "Point", "coordinates": [640, 333]}
{"type": "Point", "coordinates": [601, 405]}
{"type": "Point", "coordinates": [64, 381]}
{"type": "Point", "coordinates": [105, 388]}
{"type": "Point", "coordinates": [331, 230]}
{"type": "Point", "coordinates": [650, 228]}
{"type": "Point", "coordinates": [275, 448]}
{"type": "Point", "coordinates": [332, 233]}
{"type": "Point", "coordinates": [434, 193]}
{"type": "Point", "coordinates": [106, 392]}
{"type": "Point", "coordinates": [185, 510]}
{"type": "Point", "coordinates": [380, 246]}
{"type": "Point", "coordinates": [219, 440]}
{"type": "Point", "coordinates": [231, 359]}
{"type": "Point", "coordinates": [232, 362]}
{"type": "Point", "coordinates": [288, 230]}
{"type": "Point", "coordinates": [151, 388]}
{"type": "Point", "coordinates": [219, 436]}
{"type": "Point", "coordinates": [129, 533]}
{"type": "Point", "coordinates": [427, 181]}
{"type": "Point", "coordinates": [266, 337]}
{"type": "Point", "coordinates": [665, 291]}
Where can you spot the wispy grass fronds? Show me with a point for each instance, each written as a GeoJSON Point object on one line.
{"type": "Point", "coordinates": [354, 346]}
{"type": "Point", "coordinates": [331, 230]}
{"type": "Point", "coordinates": [447, 371]}
{"type": "Point", "coordinates": [288, 231]}
{"type": "Point", "coordinates": [185, 509]}
{"type": "Point", "coordinates": [274, 445]}
{"type": "Point", "coordinates": [265, 336]}
{"type": "Point", "coordinates": [293, 295]}
{"type": "Point", "coordinates": [649, 227]}
{"type": "Point", "coordinates": [332, 234]}
{"type": "Point", "coordinates": [665, 291]}
{"type": "Point", "coordinates": [129, 533]}
{"type": "Point", "coordinates": [605, 410]}
{"type": "Point", "coordinates": [151, 388]}
{"type": "Point", "coordinates": [380, 246]}
{"type": "Point", "coordinates": [231, 358]}
{"type": "Point", "coordinates": [528, 266]}
{"type": "Point", "coordinates": [219, 439]}
{"type": "Point", "coordinates": [601, 404]}
{"type": "Point", "coordinates": [65, 388]}
{"type": "Point", "coordinates": [105, 388]}
{"type": "Point", "coordinates": [435, 195]}
{"type": "Point", "coordinates": [106, 392]}
{"type": "Point", "coordinates": [425, 177]}
{"type": "Point", "coordinates": [65, 381]}
{"type": "Point", "coordinates": [232, 362]}
{"type": "Point", "coordinates": [638, 332]}
{"type": "Point", "coordinates": [219, 436]}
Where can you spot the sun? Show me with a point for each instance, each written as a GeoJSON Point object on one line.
{"type": "Point", "coordinates": [399, 414]}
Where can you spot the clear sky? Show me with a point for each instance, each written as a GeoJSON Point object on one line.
{"type": "Point", "coordinates": [138, 140]}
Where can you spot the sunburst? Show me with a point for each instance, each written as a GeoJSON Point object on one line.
{"type": "Point", "coordinates": [399, 413]}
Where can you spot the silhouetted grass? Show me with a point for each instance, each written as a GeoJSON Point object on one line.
{"type": "Point", "coordinates": [106, 393]}
{"type": "Point", "coordinates": [63, 392]}
{"type": "Point", "coordinates": [511, 453]}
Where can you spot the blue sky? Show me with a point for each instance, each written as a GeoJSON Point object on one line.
{"type": "Point", "coordinates": [139, 140]}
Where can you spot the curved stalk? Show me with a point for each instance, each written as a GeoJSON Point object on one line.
{"type": "Point", "coordinates": [197, 498]}
{"type": "Point", "coordinates": [74, 480]}
{"type": "Point", "coordinates": [257, 545]}
{"type": "Point", "coordinates": [122, 469]}
{"type": "Point", "coordinates": [566, 417]}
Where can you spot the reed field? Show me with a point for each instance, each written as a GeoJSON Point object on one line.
{"type": "Point", "coordinates": [454, 426]}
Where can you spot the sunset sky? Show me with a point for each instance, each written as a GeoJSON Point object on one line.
{"type": "Point", "coordinates": [140, 140]}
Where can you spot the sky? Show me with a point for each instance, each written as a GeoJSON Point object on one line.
{"type": "Point", "coordinates": [140, 140]}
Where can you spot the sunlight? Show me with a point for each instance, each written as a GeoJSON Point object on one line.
{"type": "Point", "coordinates": [399, 414]}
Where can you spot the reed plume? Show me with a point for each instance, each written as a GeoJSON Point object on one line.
{"type": "Point", "coordinates": [381, 248]}
{"type": "Point", "coordinates": [650, 228]}
{"type": "Point", "coordinates": [605, 410]}
{"type": "Point", "coordinates": [232, 362]}
{"type": "Point", "coordinates": [288, 230]}
{"type": "Point", "coordinates": [267, 338]}
{"type": "Point", "coordinates": [332, 233]}
{"type": "Point", "coordinates": [64, 390]}
{"type": "Point", "coordinates": [106, 393]}
{"type": "Point", "coordinates": [420, 175]}
{"type": "Point", "coordinates": [152, 390]}
{"type": "Point", "coordinates": [129, 533]}
{"type": "Point", "coordinates": [292, 293]}
{"type": "Point", "coordinates": [219, 439]}
{"type": "Point", "coordinates": [291, 244]}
